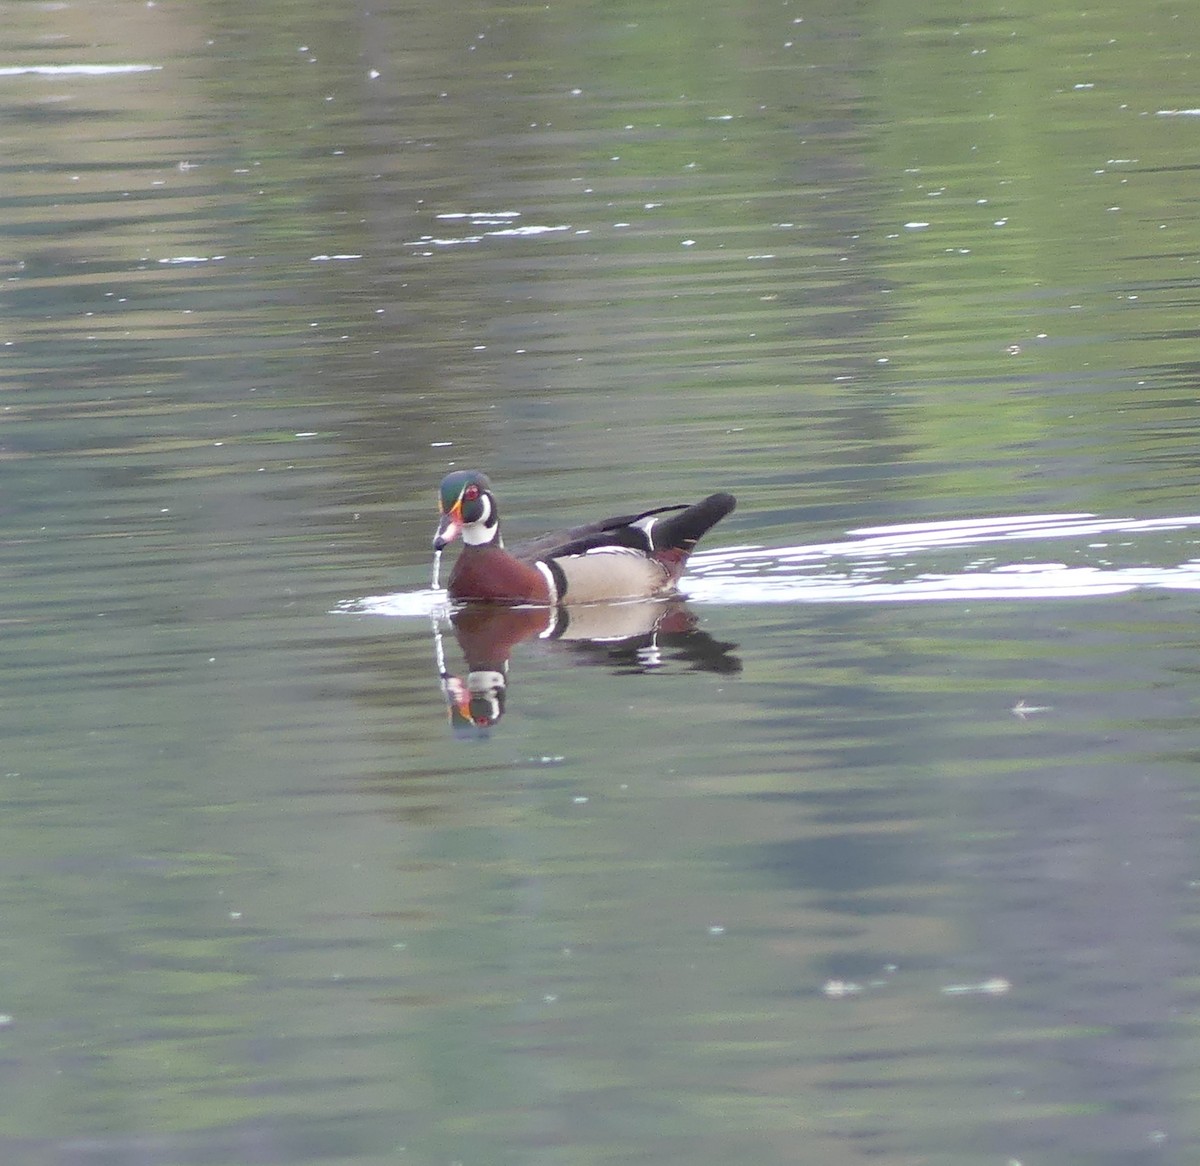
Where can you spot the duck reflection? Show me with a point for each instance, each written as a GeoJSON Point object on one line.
{"type": "Point", "coordinates": [630, 637]}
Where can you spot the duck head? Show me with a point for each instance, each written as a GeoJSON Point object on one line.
{"type": "Point", "coordinates": [468, 507]}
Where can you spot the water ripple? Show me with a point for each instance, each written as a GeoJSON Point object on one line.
{"type": "Point", "coordinates": [75, 70]}
{"type": "Point", "coordinates": [426, 603]}
{"type": "Point", "coordinates": [863, 568]}
{"type": "Point", "coordinates": [906, 563]}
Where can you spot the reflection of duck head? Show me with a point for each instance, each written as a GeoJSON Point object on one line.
{"type": "Point", "coordinates": [604, 633]}
{"type": "Point", "coordinates": [487, 636]}
{"type": "Point", "coordinates": [476, 705]}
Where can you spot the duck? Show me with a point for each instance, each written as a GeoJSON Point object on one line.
{"type": "Point", "coordinates": [632, 556]}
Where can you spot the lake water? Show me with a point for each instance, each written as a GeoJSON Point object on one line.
{"type": "Point", "coordinates": [881, 848]}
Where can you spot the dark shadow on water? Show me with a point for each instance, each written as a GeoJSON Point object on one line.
{"type": "Point", "coordinates": [844, 862]}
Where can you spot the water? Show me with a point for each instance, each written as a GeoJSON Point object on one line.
{"type": "Point", "coordinates": [793, 869]}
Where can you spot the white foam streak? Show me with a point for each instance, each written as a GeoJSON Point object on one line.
{"type": "Point", "coordinates": [405, 604]}
{"type": "Point", "coordinates": [1052, 582]}
{"type": "Point", "coordinates": [75, 70]}
{"type": "Point", "coordinates": [897, 540]}
{"type": "Point", "coordinates": [770, 575]}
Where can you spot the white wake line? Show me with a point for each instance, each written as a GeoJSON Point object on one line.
{"type": "Point", "coordinates": [765, 575]}
{"type": "Point", "coordinates": [402, 604]}
{"type": "Point", "coordinates": [75, 70]}
{"type": "Point", "coordinates": [1031, 581]}
{"type": "Point", "coordinates": [896, 540]}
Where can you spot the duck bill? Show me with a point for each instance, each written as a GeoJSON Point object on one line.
{"type": "Point", "coordinates": [448, 529]}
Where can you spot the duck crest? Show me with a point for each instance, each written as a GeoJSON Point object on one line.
{"type": "Point", "coordinates": [635, 556]}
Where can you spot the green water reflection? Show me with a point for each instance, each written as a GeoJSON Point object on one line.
{"type": "Point", "coordinates": [859, 266]}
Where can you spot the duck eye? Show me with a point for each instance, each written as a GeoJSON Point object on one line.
{"type": "Point", "coordinates": [470, 493]}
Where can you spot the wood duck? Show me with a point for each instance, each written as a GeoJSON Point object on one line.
{"type": "Point", "coordinates": [637, 556]}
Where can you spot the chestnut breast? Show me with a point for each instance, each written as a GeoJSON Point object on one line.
{"type": "Point", "coordinates": [489, 574]}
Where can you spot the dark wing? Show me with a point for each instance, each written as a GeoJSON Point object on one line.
{"type": "Point", "coordinates": [608, 532]}
{"type": "Point", "coordinates": [679, 532]}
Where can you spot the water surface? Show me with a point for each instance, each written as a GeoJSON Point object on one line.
{"type": "Point", "coordinates": [809, 871]}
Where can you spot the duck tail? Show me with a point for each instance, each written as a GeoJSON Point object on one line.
{"type": "Point", "coordinates": [682, 531]}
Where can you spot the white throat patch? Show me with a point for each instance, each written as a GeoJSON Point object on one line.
{"type": "Point", "coordinates": [479, 533]}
